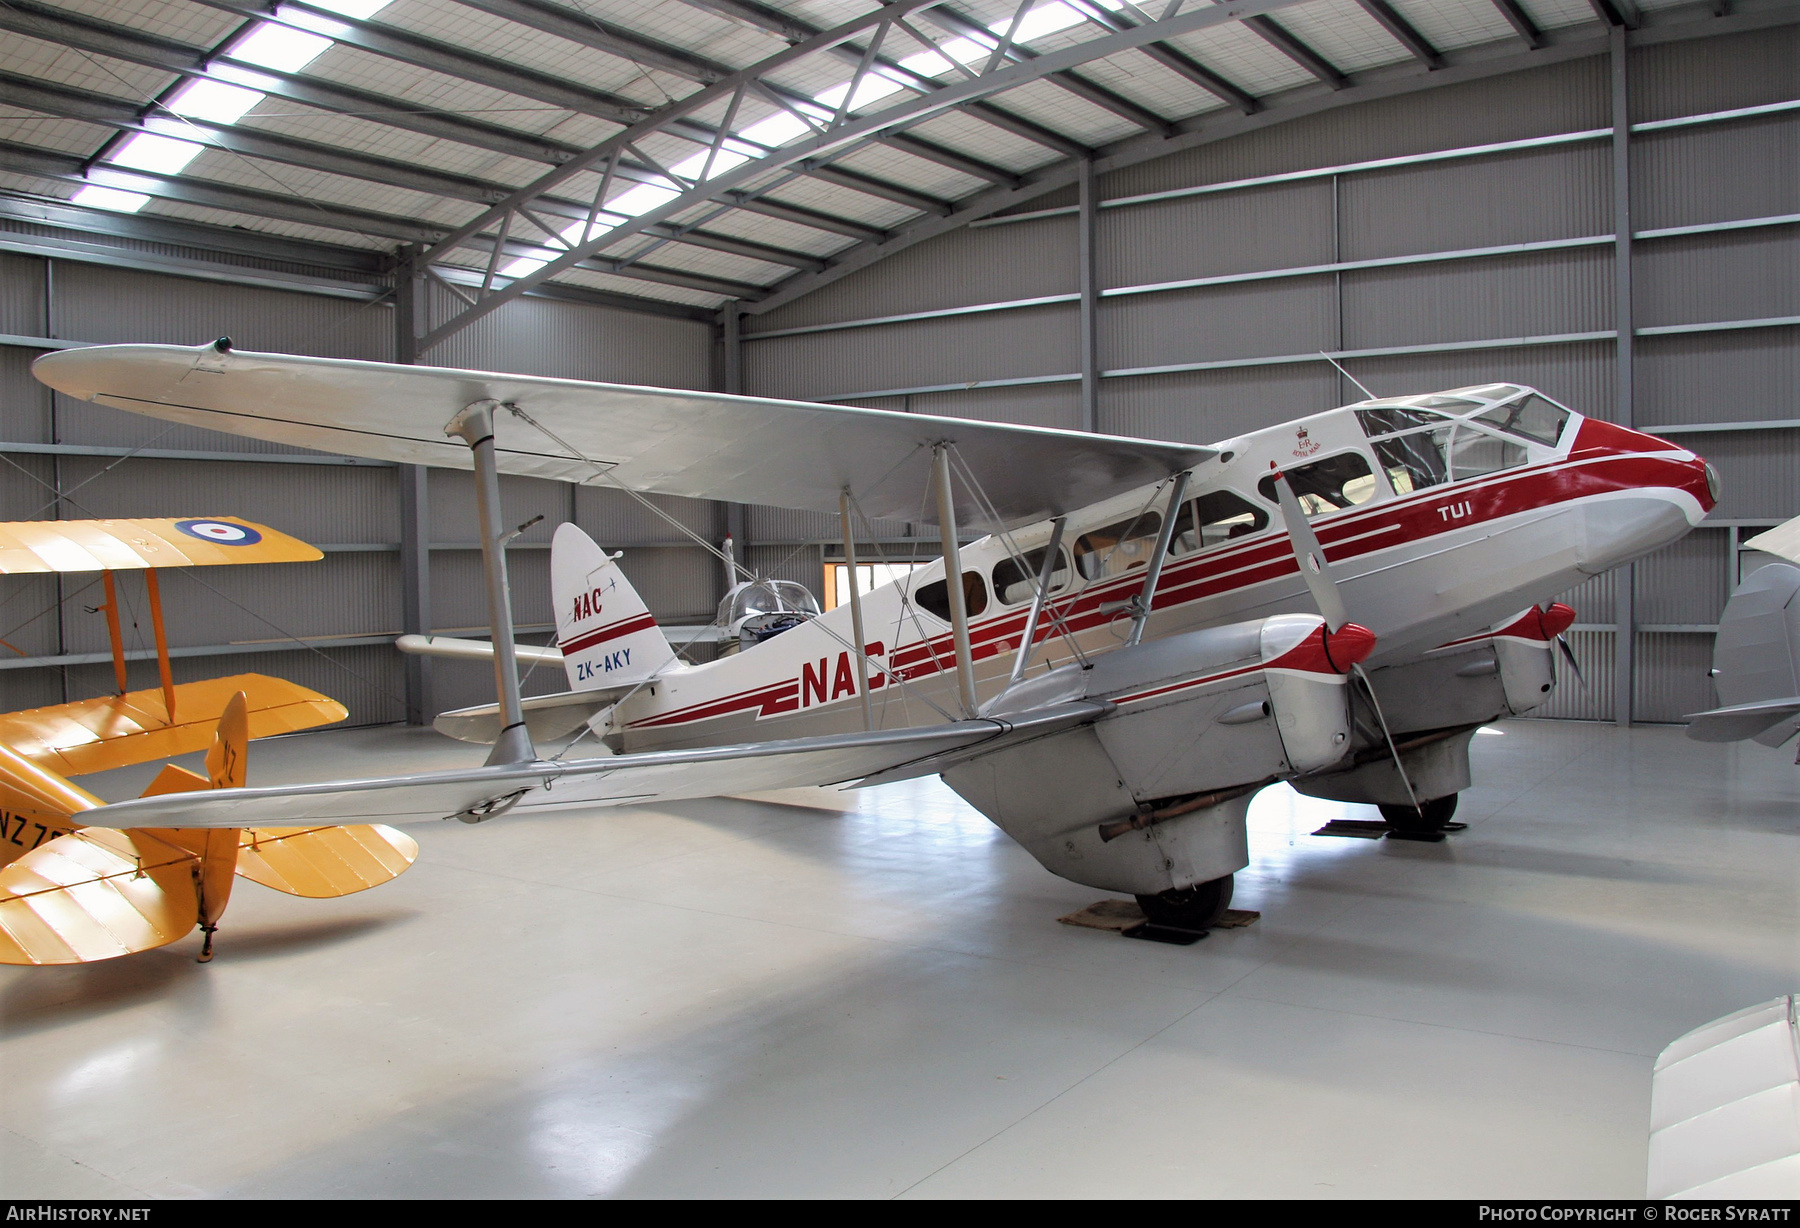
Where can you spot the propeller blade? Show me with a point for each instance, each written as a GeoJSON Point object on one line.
{"type": "Point", "coordinates": [1568, 653]}
{"type": "Point", "coordinates": [1311, 556]}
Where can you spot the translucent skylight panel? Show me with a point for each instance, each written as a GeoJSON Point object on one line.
{"type": "Point", "coordinates": [160, 155]}
{"type": "Point", "coordinates": [97, 197]}
{"type": "Point", "coordinates": [214, 101]}
{"type": "Point", "coordinates": [281, 48]}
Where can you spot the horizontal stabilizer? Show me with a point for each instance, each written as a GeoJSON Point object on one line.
{"type": "Point", "coordinates": [95, 894]}
{"type": "Point", "coordinates": [128, 545]}
{"type": "Point", "coordinates": [618, 780]}
{"type": "Point", "coordinates": [474, 650]}
{"type": "Point", "coordinates": [324, 862]}
{"type": "Point", "coordinates": [1782, 541]}
{"type": "Point", "coordinates": [92, 735]}
{"type": "Point", "coordinates": [703, 445]}
{"type": "Point", "coordinates": [547, 717]}
{"type": "Point", "coordinates": [1742, 721]}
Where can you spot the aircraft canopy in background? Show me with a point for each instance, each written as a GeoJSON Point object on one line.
{"type": "Point", "coordinates": [700, 445]}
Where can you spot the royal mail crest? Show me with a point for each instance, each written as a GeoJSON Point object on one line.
{"type": "Point", "coordinates": [1303, 444]}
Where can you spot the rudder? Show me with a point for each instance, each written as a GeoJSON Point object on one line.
{"type": "Point", "coordinates": [606, 632]}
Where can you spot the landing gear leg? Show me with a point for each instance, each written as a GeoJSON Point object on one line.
{"type": "Point", "coordinates": [206, 952]}
{"type": "Point", "coordinates": [1429, 817]}
{"type": "Point", "coordinates": [1197, 908]}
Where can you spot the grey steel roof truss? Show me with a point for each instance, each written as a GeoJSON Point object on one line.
{"type": "Point", "coordinates": [829, 138]}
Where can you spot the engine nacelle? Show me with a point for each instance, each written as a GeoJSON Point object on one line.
{"type": "Point", "coordinates": [1153, 795]}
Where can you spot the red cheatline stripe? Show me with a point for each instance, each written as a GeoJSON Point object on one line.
{"type": "Point", "coordinates": [643, 622]}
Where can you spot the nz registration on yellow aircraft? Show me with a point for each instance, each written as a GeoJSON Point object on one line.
{"type": "Point", "coordinates": [70, 893]}
{"type": "Point", "coordinates": [1113, 671]}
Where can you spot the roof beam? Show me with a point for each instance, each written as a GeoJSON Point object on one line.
{"type": "Point", "coordinates": [799, 215]}
{"type": "Point", "coordinates": [600, 35]}
{"type": "Point", "coordinates": [792, 30]}
{"type": "Point", "coordinates": [1404, 33]}
{"type": "Point", "coordinates": [843, 133]}
{"type": "Point", "coordinates": [956, 23]}
{"type": "Point", "coordinates": [67, 103]}
{"type": "Point", "coordinates": [396, 43]}
{"type": "Point", "coordinates": [1172, 58]}
{"type": "Point", "coordinates": [120, 42]}
{"type": "Point", "coordinates": [1297, 51]}
{"type": "Point", "coordinates": [1521, 22]}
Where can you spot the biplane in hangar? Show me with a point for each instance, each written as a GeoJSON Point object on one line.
{"type": "Point", "coordinates": [70, 893]}
{"type": "Point", "coordinates": [1109, 675]}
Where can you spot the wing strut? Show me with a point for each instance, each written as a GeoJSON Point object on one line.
{"type": "Point", "coordinates": [162, 641]}
{"type": "Point", "coordinates": [113, 631]}
{"type": "Point", "coordinates": [1141, 604]}
{"type": "Point", "coordinates": [953, 582]}
{"type": "Point", "coordinates": [475, 426]}
{"type": "Point", "coordinates": [1051, 558]}
{"type": "Point", "coordinates": [856, 618]}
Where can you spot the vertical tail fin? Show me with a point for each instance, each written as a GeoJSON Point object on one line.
{"type": "Point", "coordinates": [607, 635]}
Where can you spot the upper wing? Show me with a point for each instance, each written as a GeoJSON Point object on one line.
{"type": "Point", "coordinates": [92, 735]}
{"type": "Point", "coordinates": [699, 444]}
{"type": "Point", "coordinates": [119, 545]}
{"type": "Point", "coordinates": [616, 781]}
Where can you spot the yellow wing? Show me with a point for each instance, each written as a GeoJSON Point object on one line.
{"type": "Point", "coordinates": [125, 545]}
{"type": "Point", "coordinates": [92, 735]}
{"type": "Point", "coordinates": [95, 894]}
{"type": "Point", "coordinates": [322, 862]}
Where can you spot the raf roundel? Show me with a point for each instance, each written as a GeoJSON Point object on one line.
{"type": "Point", "coordinates": [220, 532]}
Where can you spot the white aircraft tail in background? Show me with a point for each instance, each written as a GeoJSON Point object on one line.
{"type": "Point", "coordinates": [607, 634]}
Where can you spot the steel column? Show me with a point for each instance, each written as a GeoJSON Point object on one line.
{"type": "Point", "coordinates": [1625, 578]}
{"type": "Point", "coordinates": [1089, 274]}
{"type": "Point", "coordinates": [475, 426]}
{"type": "Point", "coordinates": [953, 589]}
{"type": "Point", "coordinates": [415, 505]}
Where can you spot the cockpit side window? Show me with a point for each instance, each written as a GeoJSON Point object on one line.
{"type": "Point", "coordinates": [1386, 419]}
{"type": "Point", "coordinates": [1014, 582]}
{"type": "Point", "coordinates": [1214, 517]}
{"type": "Point", "coordinates": [1416, 461]}
{"type": "Point", "coordinates": [1476, 453]}
{"type": "Point", "coordinates": [1340, 481]}
{"type": "Point", "coordinates": [1119, 547]}
{"type": "Point", "coordinates": [934, 598]}
{"type": "Point", "coordinates": [1532, 417]}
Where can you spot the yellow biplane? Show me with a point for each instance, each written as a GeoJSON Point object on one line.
{"type": "Point", "coordinates": [70, 894]}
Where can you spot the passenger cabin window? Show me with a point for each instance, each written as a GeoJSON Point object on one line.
{"type": "Point", "coordinates": [1533, 417]}
{"type": "Point", "coordinates": [1117, 547]}
{"type": "Point", "coordinates": [1340, 481]}
{"type": "Point", "coordinates": [1015, 581]}
{"type": "Point", "coordinates": [934, 598]}
{"type": "Point", "coordinates": [1215, 517]}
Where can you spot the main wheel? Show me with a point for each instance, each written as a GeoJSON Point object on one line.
{"type": "Point", "coordinates": [1429, 817]}
{"type": "Point", "coordinates": [1189, 908]}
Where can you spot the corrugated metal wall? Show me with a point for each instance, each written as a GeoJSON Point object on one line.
{"type": "Point", "coordinates": [1554, 193]}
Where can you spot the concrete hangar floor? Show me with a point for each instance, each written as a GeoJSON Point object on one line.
{"type": "Point", "coordinates": [747, 998]}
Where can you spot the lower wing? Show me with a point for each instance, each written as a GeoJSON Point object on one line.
{"type": "Point", "coordinates": [477, 793]}
{"type": "Point", "coordinates": [92, 735]}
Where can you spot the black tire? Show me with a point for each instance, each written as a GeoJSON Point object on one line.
{"type": "Point", "coordinates": [1429, 817]}
{"type": "Point", "coordinates": [1196, 908]}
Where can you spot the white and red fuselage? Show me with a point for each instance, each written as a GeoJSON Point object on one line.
{"type": "Point", "coordinates": [1456, 560]}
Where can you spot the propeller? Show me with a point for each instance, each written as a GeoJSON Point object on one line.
{"type": "Point", "coordinates": [1555, 620]}
{"type": "Point", "coordinates": [1316, 571]}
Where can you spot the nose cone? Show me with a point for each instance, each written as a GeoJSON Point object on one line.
{"type": "Point", "coordinates": [1349, 645]}
{"type": "Point", "coordinates": [1649, 463]}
